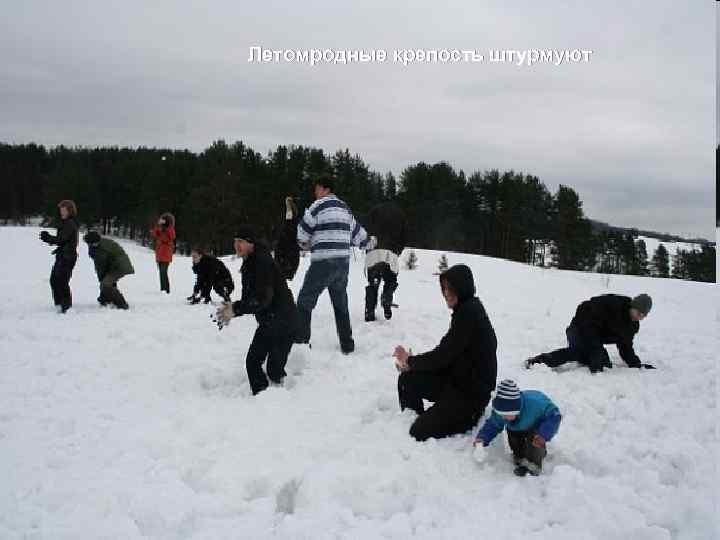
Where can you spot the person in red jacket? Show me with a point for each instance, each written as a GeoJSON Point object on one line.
{"type": "Point", "coordinates": [164, 235]}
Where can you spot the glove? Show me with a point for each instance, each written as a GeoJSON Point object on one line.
{"type": "Point", "coordinates": [648, 366]}
{"type": "Point", "coordinates": [479, 452]}
{"type": "Point", "coordinates": [45, 237]}
{"type": "Point", "coordinates": [372, 243]}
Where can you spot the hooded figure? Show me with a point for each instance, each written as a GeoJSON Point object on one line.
{"type": "Point", "coordinates": [460, 373]}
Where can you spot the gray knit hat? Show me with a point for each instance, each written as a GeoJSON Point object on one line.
{"type": "Point", "coordinates": [643, 303]}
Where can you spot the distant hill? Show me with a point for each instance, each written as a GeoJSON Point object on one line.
{"type": "Point", "coordinates": [663, 237]}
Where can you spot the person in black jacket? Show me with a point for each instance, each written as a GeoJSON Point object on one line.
{"type": "Point", "coordinates": [460, 373]}
{"type": "Point", "coordinates": [287, 251]}
{"type": "Point", "coordinates": [211, 274]}
{"type": "Point", "coordinates": [266, 295]}
{"type": "Point", "coordinates": [65, 253]}
{"type": "Point", "coordinates": [605, 319]}
{"type": "Point", "coordinates": [387, 224]}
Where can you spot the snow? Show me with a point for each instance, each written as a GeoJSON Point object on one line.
{"type": "Point", "coordinates": [141, 423]}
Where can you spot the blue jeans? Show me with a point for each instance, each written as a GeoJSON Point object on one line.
{"type": "Point", "coordinates": [330, 274]}
{"type": "Point", "coordinates": [580, 349]}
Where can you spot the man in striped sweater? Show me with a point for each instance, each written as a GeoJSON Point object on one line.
{"type": "Point", "coordinates": [328, 229]}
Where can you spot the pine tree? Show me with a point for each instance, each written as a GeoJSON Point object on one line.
{"type": "Point", "coordinates": [641, 257]}
{"type": "Point", "coordinates": [661, 262]}
{"type": "Point", "coordinates": [411, 261]}
{"type": "Point", "coordinates": [443, 263]}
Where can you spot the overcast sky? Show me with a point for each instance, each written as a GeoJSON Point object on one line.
{"type": "Point", "coordinates": [632, 130]}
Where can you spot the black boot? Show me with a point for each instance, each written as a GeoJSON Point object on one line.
{"type": "Point", "coordinates": [387, 299]}
{"type": "Point", "coordinates": [370, 302]}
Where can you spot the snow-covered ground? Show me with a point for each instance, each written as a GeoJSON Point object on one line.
{"type": "Point", "coordinates": [140, 424]}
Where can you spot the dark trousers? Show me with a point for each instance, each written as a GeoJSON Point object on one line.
{"type": "Point", "coordinates": [451, 412]}
{"type": "Point", "coordinates": [271, 345]}
{"type": "Point", "coordinates": [222, 288]}
{"type": "Point", "coordinates": [164, 279]}
{"type": "Point", "coordinates": [580, 349]}
{"type": "Point", "coordinates": [522, 447]}
{"type": "Point", "coordinates": [60, 281]}
{"type": "Point", "coordinates": [110, 294]}
{"type": "Point", "coordinates": [376, 274]}
{"type": "Point", "coordinates": [330, 274]}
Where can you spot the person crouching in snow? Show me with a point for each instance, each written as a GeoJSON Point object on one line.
{"type": "Point", "coordinates": [211, 274]}
{"type": "Point", "coordinates": [265, 294]}
{"type": "Point", "coordinates": [531, 420]}
{"type": "Point", "coordinates": [459, 374]}
{"type": "Point", "coordinates": [111, 264]}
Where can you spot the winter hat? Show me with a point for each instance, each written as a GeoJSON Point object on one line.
{"type": "Point", "coordinates": [245, 232]}
{"type": "Point", "coordinates": [91, 237]}
{"type": "Point", "coordinates": [507, 398]}
{"type": "Point", "coordinates": [643, 303]}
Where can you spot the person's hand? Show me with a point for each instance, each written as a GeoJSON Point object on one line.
{"type": "Point", "coordinates": [45, 236]}
{"type": "Point", "coordinates": [401, 358]}
{"type": "Point", "coordinates": [479, 452]}
{"type": "Point", "coordinates": [538, 441]}
{"type": "Point", "coordinates": [225, 313]}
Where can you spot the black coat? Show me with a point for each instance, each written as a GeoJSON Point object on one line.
{"type": "Point", "coordinates": [606, 319]}
{"type": "Point", "coordinates": [66, 239]}
{"type": "Point", "coordinates": [467, 353]}
{"type": "Point", "coordinates": [387, 223]}
{"type": "Point", "coordinates": [287, 251]}
{"type": "Point", "coordinates": [210, 271]}
{"type": "Point", "coordinates": [265, 293]}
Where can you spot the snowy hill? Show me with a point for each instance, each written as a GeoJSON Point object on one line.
{"type": "Point", "coordinates": [141, 424]}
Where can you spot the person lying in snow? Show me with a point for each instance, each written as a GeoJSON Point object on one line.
{"type": "Point", "coordinates": [459, 374]}
{"type": "Point", "coordinates": [531, 420]}
{"type": "Point", "coordinates": [609, 318]}
{"type": "Point", "coordinates": [211, 274]}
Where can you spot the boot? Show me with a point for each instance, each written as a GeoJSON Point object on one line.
{"type": "Point", "coordinates": [387, 299]}
{"type": "Point", "coordinates": [370, 302]}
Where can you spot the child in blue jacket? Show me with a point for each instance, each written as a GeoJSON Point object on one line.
{"type": "Point", "coordinates": [531, 419]}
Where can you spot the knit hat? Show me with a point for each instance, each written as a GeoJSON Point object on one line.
{"type": "Point", "coordinates": [507, 398]}
{"type": "Point", "coordinates": [245, 232]}
{"type": "Point", "coordinates": [643, 303]}
{"type": "Point", "coordinates": [91, 237]}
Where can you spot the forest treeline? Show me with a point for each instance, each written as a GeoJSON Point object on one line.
{"type": "Point", "coordinates": [506, 214]}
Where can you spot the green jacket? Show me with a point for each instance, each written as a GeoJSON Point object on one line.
{"type": "Point", "coordinates": [110, 258]}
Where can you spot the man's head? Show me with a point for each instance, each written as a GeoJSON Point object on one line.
{"type": "Point", "coordinates": [67, 209]}
{"type": "Point", "coordinates": [245, 239]}
{"type": "Point", "coordinates": [92, 238]}
{"type": "Point", "coordinates": [508, 400]}
{"type": "Point", "coordinates": [640, 307]}
{"type": "Point", "coordinates": [324, 186]}
{"type": "Point", "coordinates": [197, 254]}
{"type": "Point", "coordinates": [457, 285]}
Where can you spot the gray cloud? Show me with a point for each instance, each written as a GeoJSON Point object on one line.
{"type": "Point", "coordinates": [631, 130]}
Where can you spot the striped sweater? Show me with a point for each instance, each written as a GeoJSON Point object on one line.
{"type": "Point", "coordinates": [328, 228]}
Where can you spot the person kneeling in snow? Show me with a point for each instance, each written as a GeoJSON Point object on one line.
{"type": "Point", "coordinates": [459, 374]}
{"type": "Point", "coordinates": [111, 264]}
{"type": "Point", "coordinates": [531, 420]}
{"type": "Point", "coordinates": [266, 295]}
{"type": "Point", "coordinates": [211, 274]}
{"type": "Point", "coordinates": [609, 318]}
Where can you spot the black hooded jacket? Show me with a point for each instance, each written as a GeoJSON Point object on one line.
{"type": "Point", "coordinates": [210, 271]}
{"type": "Point", "coordinates": [66, 239]}
{"type": "Point", "coordinates": [387, 223]}
{"type": "Point", "coordinates": [606, 319]}
{"type": "Point", "coordinates": [467, 353]}
{"type": "Point", "coordinates": [265, 293]}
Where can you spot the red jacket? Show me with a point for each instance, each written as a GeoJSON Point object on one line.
{"type": "Point", "coordinates": [164, 243]}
